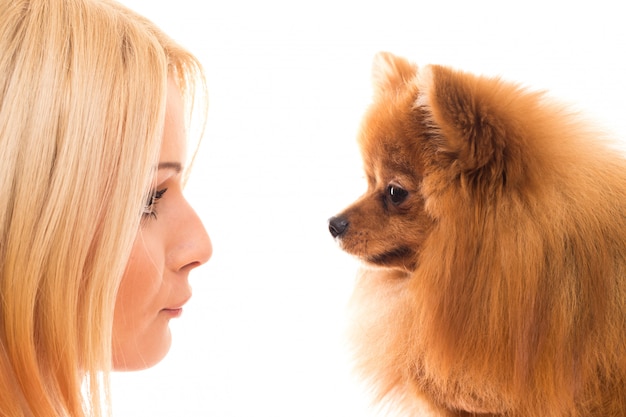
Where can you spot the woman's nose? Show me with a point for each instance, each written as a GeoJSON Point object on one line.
{"type": "Point", "coordinates": [192, 246]}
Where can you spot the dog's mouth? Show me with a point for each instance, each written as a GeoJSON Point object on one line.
{"type": "Point", "coordinates": [400, 256]}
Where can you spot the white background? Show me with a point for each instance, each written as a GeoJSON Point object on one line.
{"type": "Point", "coordinates": [288, 82]}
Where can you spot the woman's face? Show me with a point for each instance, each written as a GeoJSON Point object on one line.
{"type": "Point", "coordinates": [170, 243]}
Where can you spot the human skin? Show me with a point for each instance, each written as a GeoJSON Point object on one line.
{"type": "Point", "coordinates": [169, 244]}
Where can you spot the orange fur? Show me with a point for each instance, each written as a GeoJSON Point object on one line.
{"type": "Point", "coordinates": [494, 237]}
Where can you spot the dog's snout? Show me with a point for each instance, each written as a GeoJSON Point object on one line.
{"type": "Point", "coordinates": [337, 225]}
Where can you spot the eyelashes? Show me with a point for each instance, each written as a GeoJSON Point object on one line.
{"type": "Point", "coordinates": [149, 209]}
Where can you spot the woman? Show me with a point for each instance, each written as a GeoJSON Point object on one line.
{"type": "Point", "coordinates": [96, 239]}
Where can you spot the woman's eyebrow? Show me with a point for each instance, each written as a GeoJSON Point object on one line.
{"type": "Point", "coordinates": [175, 166]}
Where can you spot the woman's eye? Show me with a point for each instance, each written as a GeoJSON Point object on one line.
{"type": "Point", "coordinates": [150, 207]}
{"type": "Point", "coordinates": [396, 194]}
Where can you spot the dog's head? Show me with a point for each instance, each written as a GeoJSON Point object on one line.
{"type": "Point", "coordinates": [434, 140]}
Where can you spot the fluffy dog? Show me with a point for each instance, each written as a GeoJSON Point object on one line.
{"type": "Point", "coordinates": [493, 234]}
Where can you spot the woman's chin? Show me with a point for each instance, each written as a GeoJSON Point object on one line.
{"type": "Point", "coordinates": [136, 356]}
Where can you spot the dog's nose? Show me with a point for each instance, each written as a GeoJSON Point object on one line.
{"type": "Point", "coordinates": [337, 225]}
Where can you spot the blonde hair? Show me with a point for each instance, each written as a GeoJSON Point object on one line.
{"type": "Point", "coordinates": [83, 86]}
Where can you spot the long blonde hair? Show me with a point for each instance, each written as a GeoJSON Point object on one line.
{"type": "Point", "coordinates": [82, 104]}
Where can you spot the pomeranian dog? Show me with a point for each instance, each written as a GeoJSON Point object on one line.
{"type": "Point", "coordinates": [493, 238]}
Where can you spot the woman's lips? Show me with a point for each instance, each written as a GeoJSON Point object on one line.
{"type": "Point", "coordinates": [173, 312]}
{"type": "Point", "coordinates": [177, 309]}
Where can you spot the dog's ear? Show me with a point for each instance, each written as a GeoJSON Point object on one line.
{"type": "Point", "coordinates": [468, 117]}
{"type": "Point", "coordinates": [390, 72]}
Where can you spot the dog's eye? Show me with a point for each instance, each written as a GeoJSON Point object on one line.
{"type": "Point", "coordinates": [396, 194]}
